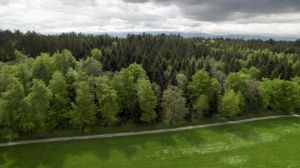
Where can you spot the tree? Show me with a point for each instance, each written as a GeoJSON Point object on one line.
{"type": "Point", "coordinates": [213, 103]}
{"type": "Point", "coordinates": [5, 80]}
{"type": "Point", "coordinates": [296, 97]}
{"type": "Point", "coordinates": [24, 74]}
{"type": "Point", "coordinates": [137, 71]}
{"type": "Point", "coordinates": [97, 54]}
{"type": "Point", "coordinates": [92, 66]}
{"type": "Point", "coordinates": [84, 109]}
{"type": "Point", "coordinates": [118, 86]}
{"type": "Point", "coordinates": [181, 81]}
{"type": "Point", "coordinates": [253, 72]}
{"type": "Point", "coordinates": [201, 84]}
{"type": "Point", "coordinates": [230, 104]}
{"type": "Point", "coordinates": [42, 68]}
{"type": "Point", "coordinates": [6, 49]}
{"type": "Point", "coordinates": [108, 100]}
{"type": "Point", "coordinates": [243, 82]}
{"type": "Point", "coordinates": [63, 61]}
{"type": "Point", "coordinates": [279, 95]}
{"type": "Point", "coordinates": [12, 105]}
{"type": "Point", "coordinates": [147, 100]}
{"type": "Point", "coordinates": [173, 103]}
{"type": "Point", "coordinates": [124, 85]}
{"type": "Point", "coordinates": [201, 105]}
{"type": "Point", "coordinates": [237, 82]}
{"type": "Point", "coordinates": [38, 103]}
{"type": "Point", "coordinates": [20, 57]}
{"type": "Point", "coordinates": [60, 103]}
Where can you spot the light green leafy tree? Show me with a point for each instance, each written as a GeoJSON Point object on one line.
{"type": "Point", "coordinates": [279, 95]}
{"type": "Point", "coordinates": [108, 100]}
{"type": "Point", "coordinates": [96, 54]}
{"type": "Point", "coordinates": [245, 82]}
{"type": "Point", "coordinates": [231, 103]}
{"type": "Point", "coordinates": [200, 105]}
{"type": "Point", "coordinates": [137, 71]}
{"type": "Point", "coordinates": [123, 83]}
{"type": "Point", "coordinates": [24, 74]}
{"type": "Point", "coordinates": [203, 85]}
{"type": "Point", "coordinates": [147, 100]}
{"type": "Point", "coordinates": [182, 81]}
{"type": "Point", "coordinates": [42, 68]}
{"type": "Point", "coordinates": [38, 103]}
{"type": "Point", "coordinates": [64, 60]}
{"type": "Point", "coordinates": [200, 84]}
{"type": "Point", "coordinates": [12, 105]}
{"type": "Point", "coordinates": [83, 114]}
{"type": "Point", "coordinates": [173, 103]}
{"type": "Point", "coordinates": [60, 103]}
{"type": "Point", "coordinates": [237, 81]}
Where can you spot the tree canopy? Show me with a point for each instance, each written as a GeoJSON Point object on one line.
{"type": "Point", "coordinates": [52, 83]}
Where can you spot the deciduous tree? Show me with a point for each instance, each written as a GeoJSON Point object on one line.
{"type": "Point", "coordinates": [12, 106]}
{"type": "Point", "coordinates": [174, 104]}
{"type": "Point", "coordinates": [83, 114]}
{"type": "Point", "coordinates": [147, 100]}
{"type": "Point", "coordinates": [231, 103]}
{"type": "Point", "coordinates": [38, 103]}
{"type": "Point", "coordinates": [60, 103]}
{"type": "Point", "coordinates": [108, 100]}
{"type": "Point", "coordinates": [42, 68]}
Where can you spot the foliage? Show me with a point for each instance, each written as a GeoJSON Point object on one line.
{"type": "Point", "coordinates": [76, 81]}
{"type": "Point", "coordinates": [201, 105]}
{"type": "Point", "coordinates": [60, 102]}
{"type": "Point", "coordinates": [12, 106]}
{"type": "Point", "coordinates": [83, 113]}
{"type": "Point", "coordinates": [280, 95]}
{"type": "Point", "coordinates": [203, 87]}
{"type": "Point", "coordinates": [231, 103]}
{"type": "Point", "coordinates": [38, 103]}
{"type": "Point", "coordinates": [174, 104]}
{"type": "Point", "coordinates": [97, 54]}
{"type": "Point", "coordinates": [108, 100]}
{"type": "Point", "coordinates": [63, 61]}
{"type": "Point", "coordinates": [182, 81]}
{"type": "Point", "coordinates": [123, 83]}
{"type": "Point", "coordinates": [42, 68]}
{"type": "Point", "coordinates": [147, 100]}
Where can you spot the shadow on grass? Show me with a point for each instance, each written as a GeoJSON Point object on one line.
{"type": "Point", "coordinates": [54, 155]}
{"type": "Point", "coordinates": [253, 131]}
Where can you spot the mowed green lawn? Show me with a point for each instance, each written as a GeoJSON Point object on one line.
{"type": "Point", "coordinates": [271, 143]}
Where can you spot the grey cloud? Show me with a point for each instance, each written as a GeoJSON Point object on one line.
{"type": "Point", "coordinates": [80, 2]}
{"type": "Point", "coordinates": [65, 2]}
{"type": "Point", "coordinates": [5, 2]}
{"type": "Point", "coordinates": [223, 16]}
{"type": "Point", "coordinates": [226, 10]}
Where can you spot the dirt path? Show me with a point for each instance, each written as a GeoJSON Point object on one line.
{"type": "Point", "coordinates": [140, 132]}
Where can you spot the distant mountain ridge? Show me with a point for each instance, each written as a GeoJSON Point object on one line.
{"type": "Point", "coordinates": [208, 35]}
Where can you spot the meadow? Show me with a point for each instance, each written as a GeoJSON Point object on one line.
{"type": "Point", "coordinates": [270, 143]}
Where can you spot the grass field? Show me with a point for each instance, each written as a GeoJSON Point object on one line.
{"type": "Point", "coordinates": [270, 143]}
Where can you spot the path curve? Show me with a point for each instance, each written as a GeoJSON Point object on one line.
{"type": "Point", "coordinates": [140, 132]}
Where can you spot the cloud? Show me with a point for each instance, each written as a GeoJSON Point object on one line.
{"type": "Point", "coordinates": [228, 10]}
{"type": "Point", "coordinates": [111, 15]}
{"type": "Point", "coordinates": [211, 16]}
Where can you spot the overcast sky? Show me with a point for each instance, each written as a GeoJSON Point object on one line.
{"type": "Point", "coordinates": [210, 16]}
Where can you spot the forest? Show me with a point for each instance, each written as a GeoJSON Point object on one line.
{"type": "Point", "coordinates": [80, 81]}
